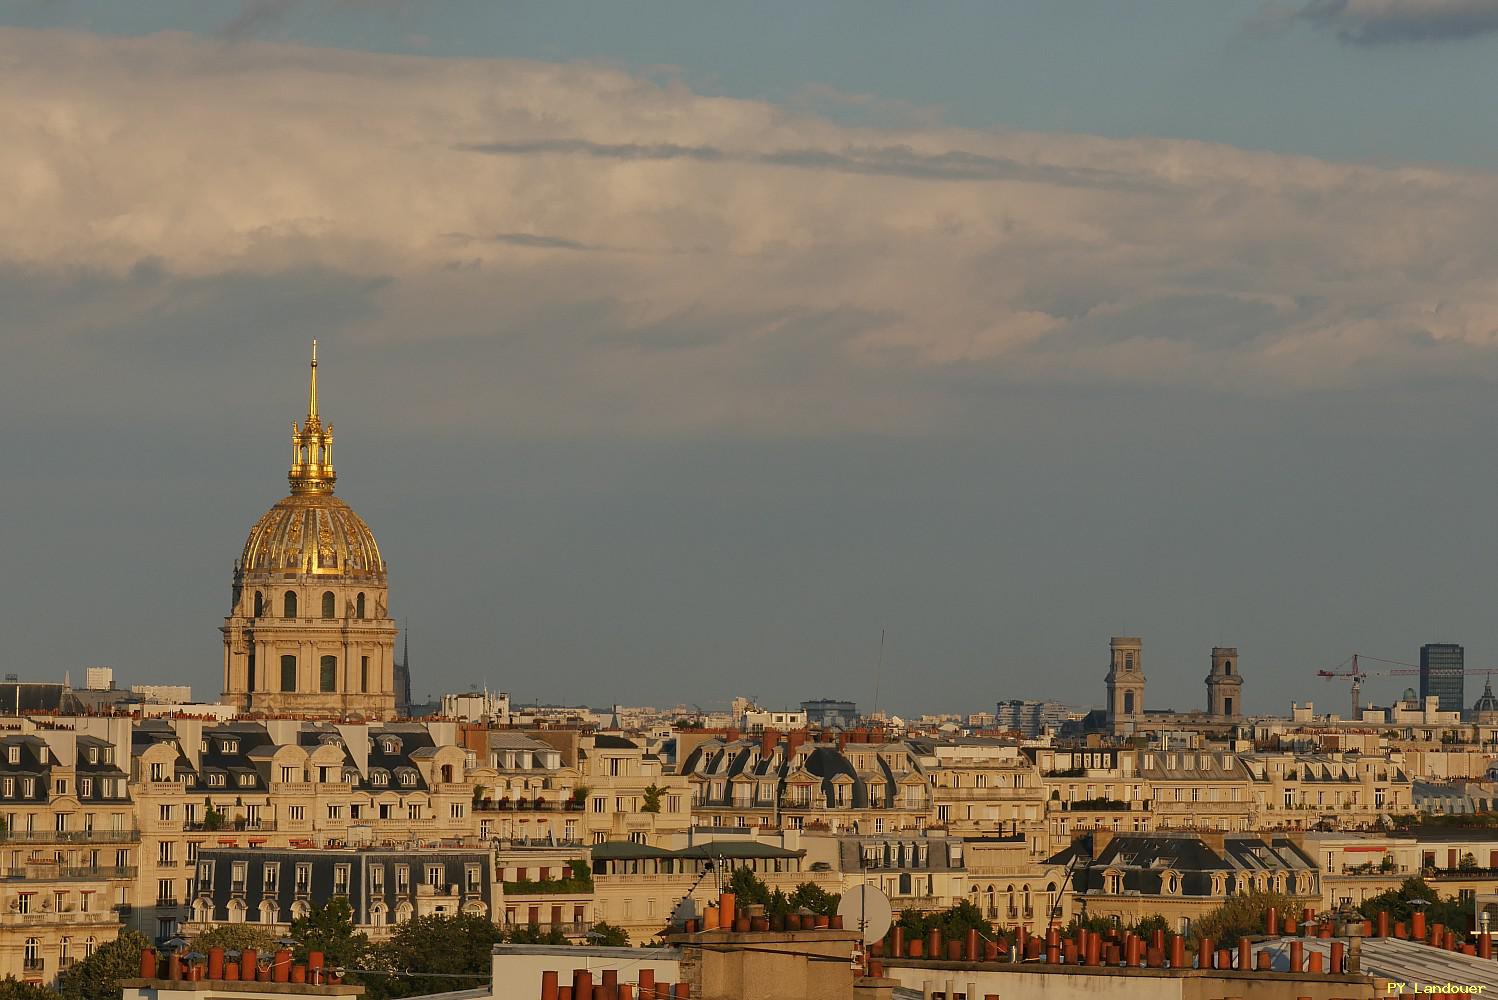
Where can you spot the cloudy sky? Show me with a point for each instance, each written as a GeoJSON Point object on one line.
{"type": "Point", "coordinates": [677, 349]}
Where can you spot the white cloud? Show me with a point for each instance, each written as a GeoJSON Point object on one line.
{"type": "Point", "coordinates": [639, 255]}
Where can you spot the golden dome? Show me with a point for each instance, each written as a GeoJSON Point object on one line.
{"type": "Point", "coordinates": [313, 533]}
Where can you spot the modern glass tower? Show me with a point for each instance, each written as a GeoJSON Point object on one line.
{"type": "Point", "coordinates": [1441, 666]}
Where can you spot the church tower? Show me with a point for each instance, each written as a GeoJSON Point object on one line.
{"type": "Point", "coordinates": [308, 633]}
{"type": "Point", "coordinates": [1125, 683]}
{"type": "Point", "coordinates": [1225, 685]}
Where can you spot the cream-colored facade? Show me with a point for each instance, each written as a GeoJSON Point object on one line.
{"type": "Point", "coordinates": [309, 632]}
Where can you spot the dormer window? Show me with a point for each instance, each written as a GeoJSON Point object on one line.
{"type": "Point", "coordinates": [229, 746]}
{"type": "Point", "coordinates": [215, 778]}
{"type": "Point", "coordinates": [93, 755]}
{"type": "Point", "coordinates": [379, 778]}
{"type": "Point", "coordinates": [13, 754]}
{"type": "Point", "coordinates": [390, 745]}
{"type": "Point", "coordinates": [408, 779]}
{"type": "Point", "coordinates": [246, 781]}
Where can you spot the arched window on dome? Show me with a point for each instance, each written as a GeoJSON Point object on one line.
{"type": "Point", "coordinates": [259, 604]}
{"type": "Point", "coordinates": [329, 605]}
{"type": "Point", "coordinates": [288, 605]}
{"type": "Point", "coordinates": [328, 673]}
{"type": "Point", "coordinates": [359, 606]}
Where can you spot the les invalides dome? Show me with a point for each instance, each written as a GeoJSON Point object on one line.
{"type": "Point", "coordinates": [309, 633]}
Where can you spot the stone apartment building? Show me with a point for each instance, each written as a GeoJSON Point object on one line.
{"type": "Point", "coordinates": [795, 782]}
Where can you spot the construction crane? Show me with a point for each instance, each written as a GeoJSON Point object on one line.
{"type": "Point", "coordinates": [1395, 668]}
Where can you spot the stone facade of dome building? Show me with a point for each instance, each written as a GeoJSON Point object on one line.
{"type": "Point", "coordinates": [309, 632]}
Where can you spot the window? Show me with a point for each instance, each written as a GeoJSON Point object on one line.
{"type": "Point", "coordinates": [288, 605]}
{"type": "Point", "coordinates": [377, 879]}
{"type": "Point", "coordinates": [288, 774]}
{"type": "Point", "coordinates": [328, 675]}
{"type": "Point", "coordinates": [288, 672]}
{"type": "Point", "coordinates": [402, 878]}
{"type": "Point", "coordinates": [166, 853]}
{"type": "Point", "coordinates": [23, 902]}
{"type": "Point", "coordinates": [272, 877]}
{"type": "Point", "coordinates": [259, 604]}
{"type": "Point", "coordinates": [216, 778]}
{"type": "Point", "coordinates": [61, 786]}
{"type": "Point", "coordinates": [379, 778]}
{"type": "Point", "coordinates": [340, 880]}
{"type": "Point", "coordinates": [434, 875]}
{"type": "Point", "coordinates": [457, 810]}
{"type": "Point", "coordinates": [359, 606]}
{"type": "Point", "coordinates": [472, 877]}
{"type": "Point", "coordinates": [335, 812]}
{"type": "Point", "coordinates": [364, 674]}
{"type": "Point", "coordinates": [297, 812]}
{"type": "Point", "coordinates": [303, 878]}
{"type": "Point", "coordinates": [164, 894]}
{"type": "Point", "coordinates": [31, 958]}
{"type": "Point", "coordinates": [166, 812]}
{"type": "Point", "coordinates": [413, 810]}
{"type": "Point", "coordinates": [329, 605]}
{"type": "Point", "coordinates": [85, 787]}
{"type": "Point", "coordinates": [13, 754]}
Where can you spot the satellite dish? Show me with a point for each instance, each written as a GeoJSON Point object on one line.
{"type": "Point", "coordinates": [865, 909]}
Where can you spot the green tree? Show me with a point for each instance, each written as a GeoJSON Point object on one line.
{"type": "Point", "coordinates": [1243, 915]}
{"type": "Point", "coordinates": [329, 928]}
{"type": "Point", "coordinates": [213, 819]}
{"type": "Point", "coordinates": [954, 922]}
{"type": "Point", "coordinates": [12, 988]}
{"type": "Point", "coordinates": [810, 896]}
{"type": "Point", "coordinates": [447, 953]}
{"type": "Point", "coordinates": [652, 795]}
{"type": "Point", "coordinates": [98, 976]}
{"type": "Point", "coordinates": [235, 937]}
{"type": "Point", "coordinates": [603, 933]}
{"type": "Point", "coordinates": [532, 934]}
{"type": "Point", "coordinates": [1398, 904]}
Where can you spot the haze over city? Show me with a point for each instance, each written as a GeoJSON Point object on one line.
{"type": "Point", "coordinates": [678, 350]}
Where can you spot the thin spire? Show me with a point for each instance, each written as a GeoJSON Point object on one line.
{"type": "Point", "coordinates": [312, 388]}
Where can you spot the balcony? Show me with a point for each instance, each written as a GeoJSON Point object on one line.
{"type": "Point", "coordinates": [44, 873]}
{"type": "Point", "coordinates": [527, 805]}
{"type": "Point", "coordinates": [233, 826]}
{"type": "Point", "coordinates": [34, 964]}
{"type": "Point", "coordinates": [69, 836]}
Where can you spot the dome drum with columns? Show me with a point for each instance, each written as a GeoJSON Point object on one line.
{"type": "Point", "coordinates": [309, 632]}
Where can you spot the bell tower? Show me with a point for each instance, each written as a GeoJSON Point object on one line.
{"type": "Point", "coordinates": [1125, 683]}
{"type": "Point", "coordinates": [1225, 685]}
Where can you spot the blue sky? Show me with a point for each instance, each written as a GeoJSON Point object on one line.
{"type": "Point", "coordinates": [677, 349]}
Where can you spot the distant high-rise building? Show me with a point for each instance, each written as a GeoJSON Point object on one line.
{"type": "Point", "coordinates": [1029, 718]}
{"type": "Point", "coordinates": [1441, 667]}
{"type": "Point", "coordinates": [828, 713]}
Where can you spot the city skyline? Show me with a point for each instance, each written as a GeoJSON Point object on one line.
{"type": "Point", "coordinates": [656, 379]}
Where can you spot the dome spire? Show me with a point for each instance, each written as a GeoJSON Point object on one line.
{"type": "Point", "coordinates": [312, 388]}
{"type": "Point", "coordinates": [312, 446]}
